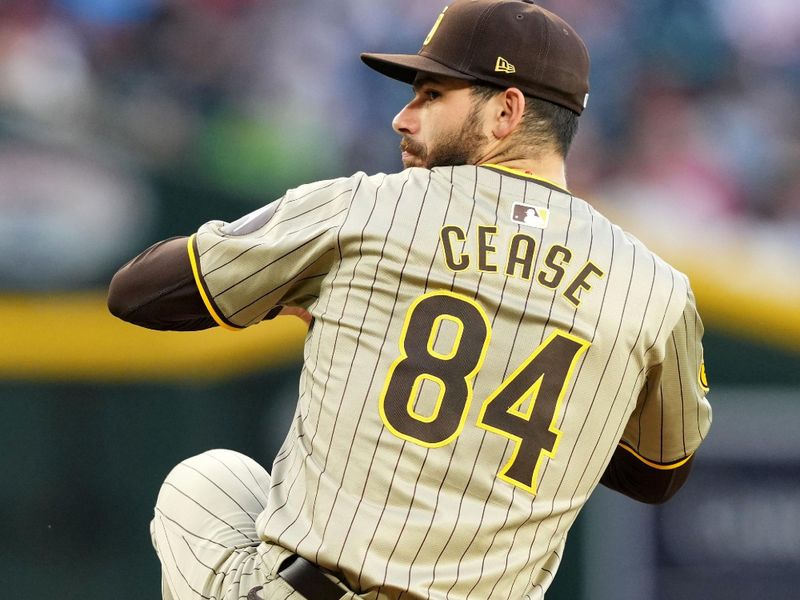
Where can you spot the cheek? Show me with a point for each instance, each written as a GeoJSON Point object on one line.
{"type": "Point", "coordinates": [437, 121]}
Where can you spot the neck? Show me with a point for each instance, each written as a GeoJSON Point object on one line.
{"type": "Point", "coordinates": [553, 173]}
{"type": "Point", "coordinates": [548, 165]}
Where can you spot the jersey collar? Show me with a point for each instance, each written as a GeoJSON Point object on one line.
{"type": "Point", "coordinates": [527, 175]}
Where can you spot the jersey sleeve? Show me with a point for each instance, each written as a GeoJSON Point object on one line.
{"type": "Point", "coordinates": [672, 415]}
{"type": "Point", "coordinates": [277, 255]}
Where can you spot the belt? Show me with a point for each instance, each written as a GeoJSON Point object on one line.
{"type": "Point", "coordinates": [307, 578]}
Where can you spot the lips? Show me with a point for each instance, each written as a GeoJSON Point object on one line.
{"type": "Point", "coordinates": [413, 153]}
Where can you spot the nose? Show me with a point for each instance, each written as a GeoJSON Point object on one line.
{"type": "Point", "coordinates": [406, 122]}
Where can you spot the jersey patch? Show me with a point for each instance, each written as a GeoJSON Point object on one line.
{"type": "Point", "coordinates": [532, 216]}
{"type": "Point", "coordinates": [252, 221]}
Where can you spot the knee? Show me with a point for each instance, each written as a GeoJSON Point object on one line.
{"type": "Point", "coordinates": [212, 460]}
{"type": "Point", "coordinates": [214, 468]}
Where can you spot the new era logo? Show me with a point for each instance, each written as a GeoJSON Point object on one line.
{"type": "Point", "coordinates": [532, 216]}
{"type": "Point", "coordinates": [503, 66]}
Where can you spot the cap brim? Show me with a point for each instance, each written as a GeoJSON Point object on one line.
{"type": "Point", "coordinates": [404, 67]}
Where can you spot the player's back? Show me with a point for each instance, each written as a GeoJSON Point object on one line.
{"type": "Point", "coordinates": [478, 347]}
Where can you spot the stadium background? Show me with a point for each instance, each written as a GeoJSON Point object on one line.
{"type": "Point", "coordinates": [126, 121]}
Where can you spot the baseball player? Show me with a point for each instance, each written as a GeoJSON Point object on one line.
{"type": "Point", "coordinates": [484, 348]}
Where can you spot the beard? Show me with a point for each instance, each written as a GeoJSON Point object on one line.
{"type": "Point", "coordinates": [453, 149]}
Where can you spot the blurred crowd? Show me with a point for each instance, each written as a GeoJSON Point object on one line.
{"type": "Point", "coordinates": [125, 120]}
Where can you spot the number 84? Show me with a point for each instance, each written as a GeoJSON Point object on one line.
{"type": "Point", "coordinates": [524, 408]}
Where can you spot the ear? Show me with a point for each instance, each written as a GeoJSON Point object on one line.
{"type": "Point", "coordinates": [509, 108]}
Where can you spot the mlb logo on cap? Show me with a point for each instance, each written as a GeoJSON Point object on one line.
{"type": "Point", "coordinates": [532, 216]}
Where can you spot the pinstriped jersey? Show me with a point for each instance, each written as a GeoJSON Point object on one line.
{"type": "Point", "coordinates": [482, 342]}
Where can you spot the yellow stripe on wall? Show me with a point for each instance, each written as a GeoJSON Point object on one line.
{"type": "Point", "coordinates": [746, 281]}
{"type": "Point", "coordinates": [73, 337]}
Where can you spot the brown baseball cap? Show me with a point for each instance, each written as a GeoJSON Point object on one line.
{"type": "Point", "coordinates": [507, 43]}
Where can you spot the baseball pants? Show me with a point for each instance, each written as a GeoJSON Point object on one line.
{"type": "Point", "coordinates": [204, 532]}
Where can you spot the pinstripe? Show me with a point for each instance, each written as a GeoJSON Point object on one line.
{"type": "Point", "coordinates": [279, 258]}
{"type": "Point", "coordinates": [610, 354]}
{"type": "Point", "coordinates": [369, 301]}
{"type": "Point", "coordinates": [555, 292]}
{"type": "Point", "coordinates": [325, 185]}
{"type": "Point", "coordinates": [224, 492]}
{"type": "Point", "coordinates": [211, 247]}
{"type": "Point", "coordinates": [661, 425]}
{"type": "Point", "coordinates": [405, 523]}
{"type": "Point", "coordinates": [162, 515]}
{"type": "Point", "coordinates": [646, 393]}
{"type": "Point", "coordinates": [245, 487]}
{"type": "Point", "coordinates": [232, 260]}
{"type": "Point", "coordinates": [308, 211]}
{"type": "Point", "coordinates": [469, 223]}
{"type": "Point", "coordinates": [638, 337]}
{"type": "Point", "coordinates": [360, 572]}
{"type": "Point", "coordinates": [505, 374]}
{"type": "Point", "coordinates": [194, 501]}
{"type": "Point", "coordinates": [306, 354]}
{"type": "Point", "coordinates": [178, 569]}
{"type": "Point", "coordinates": [494, 482]}
{"type": "Point", "coordinates": [450, 461]}
{"type": "Point", "coordinates": [283, 284]}
{"type": "Point", "coordinates": [603, 304]}
{"type": "Point", "coordinates": [336, 420]}
{"type": "Point", "coordinates": [315, 226]}
{"type": "Point", "coordinates": [393, 312]}
{"type": "Point", "coordinates": [253, 476]}
{"type": "Point", "coordinates": [283, 453]}
{"type": "Point", "coordinates": [439, 490]}
{"type": "Point", "coordinates": [312, 446]}
{"type": "Point", "coordinates": [631, 400]}
{"type": "Point", "coordinates": [683, 401]}
{"type": "Point", "coordinates": [352, 362]}
{"type": "Point", "coordinates": [508, 361]}
{"type": "Point", "coordinates": [477, 294]}
{"type": "Point", "coordinates": [698, 335]}
{"type": "Point", "coordinates": [279, 482]}
{"type": "Point", "coordinates": [646, 385]}
{"type": "Point", "coordinates": [541, 339]}
{"type": "Point", "coordinates": [324, 321]}
{"type": "Point", "coordinates": [622, 379]}
{"type": "Point", "coordinates": [419, 474]}
{"type": "Point", "coordinates": [197, 558]}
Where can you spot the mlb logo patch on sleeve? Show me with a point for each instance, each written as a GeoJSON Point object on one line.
{"type": "Point", "coordinates": [532, 216]}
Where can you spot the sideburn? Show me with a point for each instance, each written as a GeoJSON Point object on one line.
{"type": "Point", "coordinates": [462, 148]}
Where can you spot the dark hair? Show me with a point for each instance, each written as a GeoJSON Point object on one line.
{"type": "Point", "coordinates": [543, 123]}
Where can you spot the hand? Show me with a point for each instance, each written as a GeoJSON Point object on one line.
{"type": "Point", "coordinates": [297, 312]}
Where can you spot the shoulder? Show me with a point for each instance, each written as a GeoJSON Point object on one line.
{"type": "Point", "coordinates": [394, 185]}
{"type": "Point", "coordinates": [359, 181]}
{"type": "Point", "coordinates": [629, 243]}
{"type": "Point", "coordinates": [325, 187]}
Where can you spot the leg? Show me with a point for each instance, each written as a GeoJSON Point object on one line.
{"type": "Point", "coordinates": [204, 526]}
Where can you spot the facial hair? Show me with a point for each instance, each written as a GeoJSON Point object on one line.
{"type": "Point", "coordinates": [453, 149]}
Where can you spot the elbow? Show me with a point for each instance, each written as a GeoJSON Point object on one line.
{"type": "Point", "coordinates": [641, 482]}
{"type": "Point", "coordinates": [119, 301]}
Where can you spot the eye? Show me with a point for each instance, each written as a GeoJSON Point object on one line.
{"type": "Point", "coordinates": [432, 94]}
